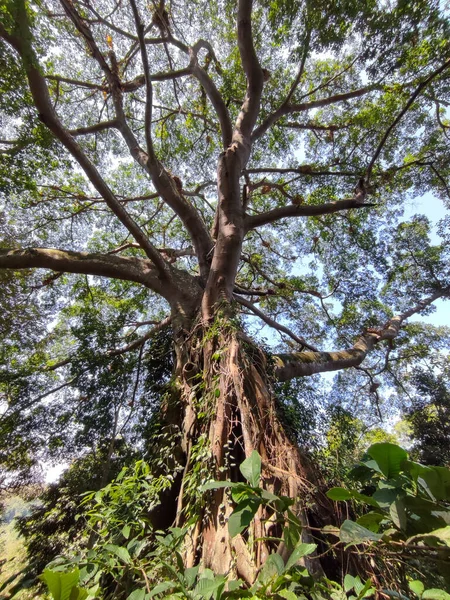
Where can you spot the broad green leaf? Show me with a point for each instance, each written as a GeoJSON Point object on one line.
{"type": "Point", "coordinates": [417, 587]}
{"type": "Point", "coordinates": [251, 468]}
{"type": "Point", "coordinates": [339, 493]}
{"type": "Point", "coordinates": [269, 496]}
{"type": "Point", "coordinates": [119, 551]}
{"type": "Point", "coordinates": [242, 515]}
{"type": "Point", "coordinates": [291, 536]}
{"type": "Point", "coordinates": [162, 587]}
{"type": "Point", "coordinates": [206, 587]}
{"type": "Point", "coordinates": [61, 584]}
{"type": "Point", "coordinates": [353, 533]}
{"type": "Point", "coordinates": [435, 594]}
{"type": "Point", "coordinates": [385, 497]}
{"type": "Point", "coordinates": [349, 582]}
{"type": "Point", "coordinates": [126, 529]}
{"type": "Point", "coordinates": [190, 575]}
{"type": "Point", "coordinates": [389, 457]}
{"type": "Point", "coordinates": [398, 513]}
{"type": "Point", "coordinates": [300, 551]}
{"type": "Point", "coordinates": [371, 521]}
{"type": "Point", "coordinates": [137, 595]}
{"type": "Point", "coordinates": [273, 566]}
{"type": "Point", "coordinates": [287, 594]}
{"type": "Point", "coordinates": [443, 534]}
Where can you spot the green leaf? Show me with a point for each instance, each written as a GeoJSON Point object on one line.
{"type": "Point", "coordinates": [339, 493]}
{"type": "Point", "coordinates": [251, 468]}
{"type": "Point", "coordinates": [353, 533]}
{"type": "Point", "coordinates": [162, 587]}
{"type": "Point", "coordinates": [291, 536]}
{"type": "Point", "coordinates": [190, 575]}
{"type": "Point", "coordinates": [398, 513]}
{"type": "Point", "coordinates": [366, 591]}
{"type": "Point", "coordinates": [119, 551]}
{"type": "Point", "coordinates": [417, 587]}
{"type": "Point", "coordinates": [349, 582]}
{"type": "Point", "coordinates": [269, 496]}
{"type": "Point", "coordinates": [385, 497]}
{"type": "Point", "coordinates": [287, 594]}
{"type": "Point", "coordinates": [300, 551]}
{"type": "Point", "coordinates": [242, 515]}
{"type": "Point", "coordinates": [435, 594]}
{"type": "Point", "coordinates": [273, 566]}
{"type": "Point", "coordinates": [389, 458]}
{"type": "Point", "coordinates": [63, 585]}
{"type": "Point", "coordinates": [126, 529]}
{"type": "Point", "coordinates": [443, 534]}
{"type": "Point", "coordinates": [137, 595]}
{"type": "Point", "coordinates": [206, 587]}
{"type": "Point", "coordinates": [234, 584]}
{"type": "Point", "coordinates": [213, 485]}
{"type": "Point", "coordinates": [371, 521]}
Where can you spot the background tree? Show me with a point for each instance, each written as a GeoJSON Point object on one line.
{"type": "Point", "coordinates": [429, 417]}
{"type": "Point", "coordinates": [202, 164]}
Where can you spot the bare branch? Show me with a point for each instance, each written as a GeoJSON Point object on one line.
{"type": "Point", "coordinates": [163, 181]}
{"type": "Point", "coordinates": [148, 84]}
{"type": "Point", "coordinates": [301, 170]}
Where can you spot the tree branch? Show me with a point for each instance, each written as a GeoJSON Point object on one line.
{"type": "Point", "coordinates": [137, 343]}
{"type": "Point", "coordinates": [163, 181]}
{"type": "Point", "coordinates": [104, 265]}
{"type": "Point", "coordinates": [38, 87]}
{"type": "Point", "coordinates": [272, 323]}
{"type": "Point", "coordinates": [253, 72]}
{"type": "Point", "coordinates": [294, 210]}
{"type": "Point", "coordinates": [302, 364]}
{"type": "Point", "coordinates": [422, 85]}
{"type": "Point", "coordinates": [293, 108]}
{"type": "Point", "coordinates": [113, 123]}
{"type": "Point", "coordinates": [208, 85]}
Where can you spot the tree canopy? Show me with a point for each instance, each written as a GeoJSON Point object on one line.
{"type": "Point", "coordinates": [210, 198]}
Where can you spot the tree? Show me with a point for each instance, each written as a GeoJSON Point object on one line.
{"type": "Point", "coordinates": [188, 163]}
{"type": "Point", "coordinates": [429, 417]}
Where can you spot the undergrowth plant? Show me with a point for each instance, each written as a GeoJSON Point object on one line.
{"type": "Point", "coordinates": [403, 518]}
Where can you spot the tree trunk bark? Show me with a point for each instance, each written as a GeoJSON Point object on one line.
{"type": "Point", "coordinates": [226, 409]}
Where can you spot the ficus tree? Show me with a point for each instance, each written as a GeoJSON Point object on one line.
{"type": "Point", "coordinates": [212, 166]}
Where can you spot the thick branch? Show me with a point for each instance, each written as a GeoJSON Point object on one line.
{"type": "Point", "coordinates": [294, 210]}
{"type": "Point", "coordinates": [302, 364]}
{"type": "Point", "coordinates": [104, 265]}
{"type": "Point", "coordinates": [252, 69]}
{"type": "Point", "coordinates": [208, 85]}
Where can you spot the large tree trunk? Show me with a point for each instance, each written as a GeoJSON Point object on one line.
{"type": "Point", "coordinates": [226, 409]}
